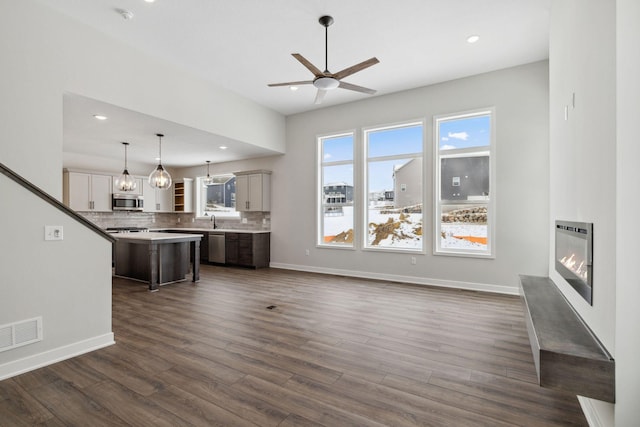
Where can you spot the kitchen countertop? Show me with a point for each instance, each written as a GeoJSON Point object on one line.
{"type": "Point", "coordinates": [209, 230]}
{"type": "Point", "coordinates": [154, 236]}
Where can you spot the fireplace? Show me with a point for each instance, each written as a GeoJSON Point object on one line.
{"type": "Point", "coordinates": [574, 256]}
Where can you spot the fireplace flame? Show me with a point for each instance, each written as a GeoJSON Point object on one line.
{"type": "Point", "coordinates": [579, 270]}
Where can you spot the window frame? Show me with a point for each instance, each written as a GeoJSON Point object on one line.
{"type": "Point", "coordinates": [235, 215]}
{"type": "Point", "coordinates": [320, 204]}
{"type": "Point", "coordinates": [438, 202]}
{"type": "Point", "coordinates": [364, 199]}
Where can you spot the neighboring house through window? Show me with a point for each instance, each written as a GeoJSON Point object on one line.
{"type": "Point", "coordinates": [217, 198]}
{"type": "Point", "coordinates": [395, 186]}
{"type": "Point", "coordinates": [464, 184]}
{"type": "Point", "coordinates": [335, 213]}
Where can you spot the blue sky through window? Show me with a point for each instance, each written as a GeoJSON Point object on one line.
{"type": "Point", "coordinates": [337, 149]}
{"type": "Point", "coordinates": [465, 132]}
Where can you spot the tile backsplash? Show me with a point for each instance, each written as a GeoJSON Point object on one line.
{"type": "Point", "coordinates": [254, 220]}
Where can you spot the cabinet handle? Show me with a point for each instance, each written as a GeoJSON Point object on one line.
{"type": "Point", "coordinates": [157, 206]}
{"type": "Point", "coordinates": [247, 204]}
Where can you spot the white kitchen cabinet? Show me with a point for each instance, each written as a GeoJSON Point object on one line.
{"type": "Point", "coordinates": [156, 200]}
{"type": "Point", "coordinates": [253, 191]}
{"type": "Point", "coordinates": [87, 192]}
{"type": "Point", "coordinates": [183, 195]}
{"type": "Point", "coordinates": [138, 190]}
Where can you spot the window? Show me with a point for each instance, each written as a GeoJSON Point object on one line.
{"type": "Point", "coordinates": [218, 198]}
{"type": "Point", "coordinates": [464, 184]}
{"type": "Point", "coordinates": [394, 187]}
{"type": "Point", "coordinates": [335, 222]}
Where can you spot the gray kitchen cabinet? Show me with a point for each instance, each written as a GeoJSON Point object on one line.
{"type": "Point", "coordinates": [87, 192]}
{"type": "Point", "coordinates": [247, 249]}
{"type": "Point", "coordinates": [253, 191]}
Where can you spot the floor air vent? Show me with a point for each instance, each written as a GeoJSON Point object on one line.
{"type": "Point", "coordinates": [20, 333]}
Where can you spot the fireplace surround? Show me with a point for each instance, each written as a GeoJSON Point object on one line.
{"type": "Point", "coordinates": [574, 256]}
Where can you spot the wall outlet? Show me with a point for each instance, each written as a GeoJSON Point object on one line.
{"type": "Point", "coordinates": [264, 221]}
{"type": "Point", "coordinates": [178, 220]}
{"type": "Point", "coordinates": [244, 220]}
{"type": "Point", "coordinates": [193, 220]}
{"type": "Point", "coordinates": [306, 252]}
{"type": "Point", "coordinates": [53, 232]}
{"type": "Point", "coordinates": [413, 260]}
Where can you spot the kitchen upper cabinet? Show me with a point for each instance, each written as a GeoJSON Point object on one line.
{"type": "Point", "coordinates": [183, 195]}
{"type": "Point", "coordinates": [87, 192]}
{"type": "Point", "coordinates": [138, 190]}
{"type": "Point", "coordinates": [253, 191]}
{"type": "Point", "coordinates": [156, 200]}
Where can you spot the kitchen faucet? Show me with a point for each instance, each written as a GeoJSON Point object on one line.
{"type": "Point", "coordinates": [213, 221]}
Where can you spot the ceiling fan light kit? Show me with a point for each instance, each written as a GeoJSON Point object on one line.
{"type": "Point", "coordinates": [325, 80]}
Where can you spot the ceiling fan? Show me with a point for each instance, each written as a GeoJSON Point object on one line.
{"type": "Point", "coordinates": [325, 80]}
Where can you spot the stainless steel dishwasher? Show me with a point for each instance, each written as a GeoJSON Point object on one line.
{"type": "Point", "coordinates": [216, 248]}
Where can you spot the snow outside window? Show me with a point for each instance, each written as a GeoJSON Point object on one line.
{"type": "Point", "coordinates": [216, 198]}
{"type": "Point", "coordinates": [394, 187]}
{"type": "Point", "coordinates": [335, 192]}
{"type": "Point", "coordinates": [464, 184]}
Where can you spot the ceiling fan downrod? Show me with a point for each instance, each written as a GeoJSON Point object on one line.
{"type": "Point", "coordinates": [325, 21]}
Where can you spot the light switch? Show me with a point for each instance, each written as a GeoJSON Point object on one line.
{"type": "Point", "coordinates": [53, 232]}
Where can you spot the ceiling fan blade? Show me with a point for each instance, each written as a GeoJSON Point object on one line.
{"type": "Point", "coordinates": [345, 85]}
{"type": "Point", "coordinates": [316, 72]}
{"type": "Point", "coordinates": [320, 96]}
{"type": "Point", "coordinates": [305, 82]}
{"type": "Point", "coordinates": [355, 68]}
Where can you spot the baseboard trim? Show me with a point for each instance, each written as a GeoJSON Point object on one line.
{"type": "Point", "coordinates": [482, 287]}
{"type": "Point", "coordinates": [590, 412]}
{"type": "Point", "coordinates": [30, 363]}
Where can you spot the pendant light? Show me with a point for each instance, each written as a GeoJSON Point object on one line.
{"type": "Point", "coordinates": [160, 178]}
{"type": "Point", "coordinates": [125, 182]}
{"type": "Point", "coordinates": [209, 179]}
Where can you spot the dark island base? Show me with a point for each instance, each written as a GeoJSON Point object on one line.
{"type": "Point", "coordinates": [156, 263]}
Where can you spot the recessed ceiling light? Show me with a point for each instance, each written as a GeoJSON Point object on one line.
{"type": "Point", "coordinates": [149, 1]}
{"type": "Point", "coordinates": [472, 39]}
{"type": "Point", "coordinates": [100, 117]}
{"type": "Point", "coordinates": [223, 147]}
{"type": "Point", "coordinates": [293, 88]}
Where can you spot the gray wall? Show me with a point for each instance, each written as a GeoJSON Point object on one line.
{"type": "Point", "coordinates": [520, 96]}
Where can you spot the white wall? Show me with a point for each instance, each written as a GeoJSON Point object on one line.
{"type": "Point", "coordinates": [587, 181]}
{"type": "Point", "coordinates": [45, 54]}
{"type": "Point", "coordinates": [627, 317]}
{"type": "Point", "coordinates": [520, 96]}
{"type": "Point", "coordinates": [52, 279]}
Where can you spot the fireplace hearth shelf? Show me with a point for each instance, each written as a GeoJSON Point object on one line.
{"type": "Point", "coordinates": [566, 353]}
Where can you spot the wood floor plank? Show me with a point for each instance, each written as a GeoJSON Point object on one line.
{"type": "Point", "coordinates": [246, 406]}
{"type": "Point", "coordinates": [334, 351]}
{"type": "Point", "coordinates": [19, 408]}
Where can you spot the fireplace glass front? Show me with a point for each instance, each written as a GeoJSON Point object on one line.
{"type": "Point", "coordinates": [574, 256]}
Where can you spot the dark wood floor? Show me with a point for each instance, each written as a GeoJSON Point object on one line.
{"type": "Point", "coordinates": [334, 351]}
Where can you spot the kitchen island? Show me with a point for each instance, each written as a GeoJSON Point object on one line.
{"type": "Point", "coordinates": [156, 258]}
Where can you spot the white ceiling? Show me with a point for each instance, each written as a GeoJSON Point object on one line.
{"type": "Point", "coordinates": [243, 45]}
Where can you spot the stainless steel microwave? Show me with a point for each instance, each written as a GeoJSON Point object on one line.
{"type": "Point", "coordinates": [127, 202]}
